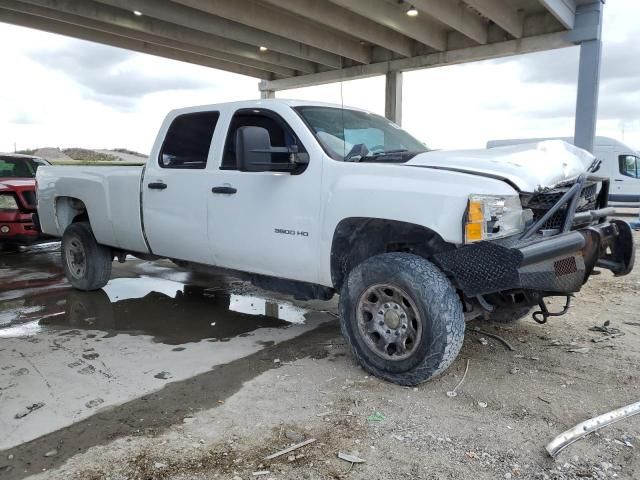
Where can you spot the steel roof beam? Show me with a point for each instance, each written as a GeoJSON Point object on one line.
{"type": "Point", "coordinates": [259, 16]}
{"type": "Point", "coordinates": [348, 22]}
{"type": "Point", "coordinates": [456, 16]}
{"type": "Point", "coordinates": [563, 10]}
{"type": "Point", "coordinates": [199, 20]}
{"type": "Point", "coordinates": [501, 13]}
{"type": "Point", "coordinates": [419, 28]}
{"type": "Point", "coordinates": [111, 20]}
{"type": "Point", "coordinates": [538, 43]}
{"type": "Point", "coordinates": [61, 28]}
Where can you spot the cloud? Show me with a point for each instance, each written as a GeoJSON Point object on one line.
{"type": "Point", "coordinates": [23, 118]}
{"type": "Point", "coordinates": [110, 75]}
{"type": "Point", "coordinates": [561, 66]}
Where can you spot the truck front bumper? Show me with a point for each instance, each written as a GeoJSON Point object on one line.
{"type": "Point", "coordinates": [18, 228]}
{"type": "Point", "coordinates": [554, 265]}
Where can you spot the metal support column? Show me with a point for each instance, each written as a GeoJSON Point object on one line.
{"type": "Point", "coordinates": [589, 23]}
{"type": "Point", "coordinates": [264, 91]}
{"type": "Point", "coordinates": [393, 97]}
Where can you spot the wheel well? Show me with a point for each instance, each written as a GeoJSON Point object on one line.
{"type": "Point", "coordinates": [70, 210]}
{"type": "Point", "coordinates": [356, 239]}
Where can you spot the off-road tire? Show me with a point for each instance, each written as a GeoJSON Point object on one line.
{"type": "Point", "coordinates": [509, 315]}
{"type": "Point", "coordinates": [97, 258]}
{"type": "Point", "coordinates": [436, 302]}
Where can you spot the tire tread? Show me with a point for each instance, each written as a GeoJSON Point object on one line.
{"type": "Point", "coordinates": [444, 303]}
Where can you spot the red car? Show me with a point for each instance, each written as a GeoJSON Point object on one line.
{"type": "Point", "coordinates": [18, 200]}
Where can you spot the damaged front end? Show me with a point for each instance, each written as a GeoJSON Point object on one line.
{"type": "Point", "coordinates": [555, 255]}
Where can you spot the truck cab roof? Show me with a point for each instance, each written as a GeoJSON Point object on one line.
{"type": "Point", "coordinates": [270, 102]}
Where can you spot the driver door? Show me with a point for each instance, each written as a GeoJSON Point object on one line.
{"type": "Point", "coordinates": [265, 222]}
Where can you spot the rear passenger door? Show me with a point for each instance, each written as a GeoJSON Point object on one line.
{"type": "Point", "coordinates": [266, 222]}
{"type": "Point", "coordinates": [176, 187]}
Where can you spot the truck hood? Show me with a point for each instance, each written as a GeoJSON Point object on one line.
{"type": "Point", "coordinates": [530, 167]}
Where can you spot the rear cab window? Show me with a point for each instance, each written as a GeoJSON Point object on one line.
{"type": "Point", "coordinates": [188, 139]}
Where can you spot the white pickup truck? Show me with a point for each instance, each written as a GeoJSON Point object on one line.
{"type": "Point", "coordinates": [315, 199]}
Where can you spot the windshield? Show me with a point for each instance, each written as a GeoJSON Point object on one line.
{"type": "Point", "coordinates": [352, 135]}
{"type": "Point", "coordinates": [15, 167]}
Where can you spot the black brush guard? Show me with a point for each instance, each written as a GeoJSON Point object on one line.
{"type": "Point", "coordinates": [546, 265]}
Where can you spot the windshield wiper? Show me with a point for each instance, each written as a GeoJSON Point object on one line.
{"type": "Point", "coordinates": [394, 150]}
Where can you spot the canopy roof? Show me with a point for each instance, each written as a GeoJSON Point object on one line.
{"type": "Point", "coordinates": [290, 43]}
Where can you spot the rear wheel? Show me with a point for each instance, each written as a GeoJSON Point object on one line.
{"type": "Point", "coordinates": [87, 264]}
{"type": "Point", "coordinates": [401, 317]}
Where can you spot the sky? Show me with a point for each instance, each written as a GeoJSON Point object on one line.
{"type": "Point", "coordinates": [60, 92]}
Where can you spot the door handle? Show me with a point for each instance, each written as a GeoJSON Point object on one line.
{"type": "Point", "coordinates": [618, 180]}
{"type": "Point", "coordinates": [157, 185]}
{"type": "Point", "coordinates": [227, 190]}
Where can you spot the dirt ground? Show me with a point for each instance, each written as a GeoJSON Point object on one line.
{"type": "Point", "coordinates": [222, 422]}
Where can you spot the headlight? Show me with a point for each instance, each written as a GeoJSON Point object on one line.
{"type": "Point", "coordinates": [8, 202]}
{"type": "Point", "coordinates": [494, 216]}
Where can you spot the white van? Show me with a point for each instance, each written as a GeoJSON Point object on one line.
{"type": "Point", "coordinates": [619, 162]}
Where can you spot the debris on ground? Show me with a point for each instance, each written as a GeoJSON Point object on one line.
{"type": "Point", "coordinates": [376, 417]}
{"type": "Point", "coordinates": [609, 337]}
{"type": "Point", "coordinates": [294, 436]}
{"type": "Point", "coordinates": [581, 430]}
{"type": "Point", "coordinates": [605, 328]}
{"type": "Point", "coordinates": [324, 414]}
{"type": "Point", "coordinates": [482, 404]}
{"type": "Point", "coordinates": [579, 350]}
{"type": "Point", "coordinates": [347, 457]}
{"type": "Point", "coordinates": [633, 324]}
{"type": "Point", "coordinates": [483, 341]}
{"type": "Point", "coordinates": [29, 409]}
{"type": "Point", "coordinates": [290, 449]}
{"type": "Point", "coordinates": [609, 332]}
{"type": "Point", "coordinates": [494, 336]}
{"type": "Point", "coordinates": [51, 453]}
{"type": "Point", "coordinates": [453, 393]}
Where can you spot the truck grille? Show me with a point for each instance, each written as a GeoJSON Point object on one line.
{"type": "Point", "coordinates": [29, 197]}
{"type": "Point", "coordinates": [541, 202]}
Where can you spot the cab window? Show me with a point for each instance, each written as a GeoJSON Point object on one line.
{"type": "Point", "coordinates": [188, 139]}
{"type": "Point", "coordinates": [629, 166]}
{"type": "Point", "coordinates": [280, 135]}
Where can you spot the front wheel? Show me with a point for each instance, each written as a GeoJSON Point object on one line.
{"type": "Point", "coordinates": [402, 318]}
{"type": "Point", "coordinates": [86, 263]}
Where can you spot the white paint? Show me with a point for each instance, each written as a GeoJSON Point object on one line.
{"type": "Point", "coordinates": [532, 166]}
{"type": "Point", "coordinates": [607, 150]}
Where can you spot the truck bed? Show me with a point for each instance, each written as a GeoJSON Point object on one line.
{"type": "Point", "coordinates": [111, 195]}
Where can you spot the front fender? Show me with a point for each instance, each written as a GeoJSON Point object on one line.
{"type": "Point", "coordinates": [435, 200]}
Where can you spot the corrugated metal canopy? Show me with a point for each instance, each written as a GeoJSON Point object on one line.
{"type": "Point", "coordinates": [289, 43]}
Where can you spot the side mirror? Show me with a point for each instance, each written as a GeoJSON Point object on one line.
{"type": "Point", "coordinates": [254, 152]}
